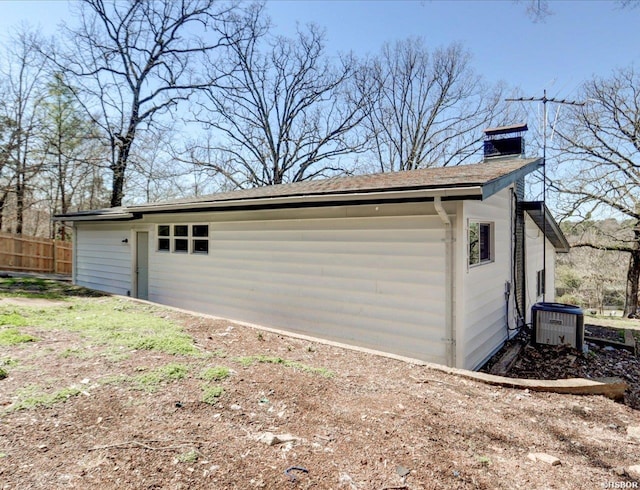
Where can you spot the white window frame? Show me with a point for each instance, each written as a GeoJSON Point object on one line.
{"type": "Point", "coordinates": [486, 249]}
{"type": "Point", "coordinates": [190, 237]}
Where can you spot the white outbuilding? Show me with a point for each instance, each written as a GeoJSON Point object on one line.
{"type": "Point", "coordinates": [438, 264]}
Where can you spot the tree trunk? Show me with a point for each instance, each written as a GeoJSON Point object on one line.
{"type": "Point", "coordinates": [117, 186]}
{"type": "Point", "coordinates": [119, 169]}
{"type": "Point", "coordinates": [20, 191]}
{"type": "Point", "coordinates": [3, 199]}
{"type": "Point", "coordinates": [633, 277]}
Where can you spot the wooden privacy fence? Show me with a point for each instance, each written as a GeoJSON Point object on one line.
{"type": "Point", "coordinates": [35, 254]}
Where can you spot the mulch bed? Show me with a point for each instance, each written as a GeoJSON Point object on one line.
{"type": "Point", "coordinates": [562, 361]}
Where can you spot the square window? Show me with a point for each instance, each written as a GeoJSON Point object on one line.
{"type": "Point", "coordinates": [181, 230]}
{"type": "Point", "coordinates": [480, 243]}
{"type": "Point", "coordinates": [188, 238]}
{"type": "Point", "coordinates": [201, 246]}
{"type": "Point", "coordinates": [200, 231]}
{"type": "Point", "coordinates": [181, 245]}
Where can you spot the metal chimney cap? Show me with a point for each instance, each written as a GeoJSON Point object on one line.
{"type": "Point", "coordinates": [514, 128]}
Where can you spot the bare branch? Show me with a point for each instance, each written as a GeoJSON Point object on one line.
{"type": "Point", "coordinates": [429, 108]}
{"type": "Point", "coordinates": [133, 61]}
{"type": "Point", "coordinates": [599, 164]}
{"type": "Point", "coordinates": [282, 112]}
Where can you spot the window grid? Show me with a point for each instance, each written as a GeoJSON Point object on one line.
{"type": "Point", "coordinates": [183, 239]}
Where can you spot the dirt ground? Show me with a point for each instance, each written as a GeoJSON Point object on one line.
{"type": "Point", "coordinates": [352, 420]}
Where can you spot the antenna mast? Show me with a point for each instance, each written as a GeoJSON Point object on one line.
{"type": "Point", "coordinates": [544, 99]}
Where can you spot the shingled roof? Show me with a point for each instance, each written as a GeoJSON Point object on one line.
{"type": "Point", "coordinates": [477, 181]}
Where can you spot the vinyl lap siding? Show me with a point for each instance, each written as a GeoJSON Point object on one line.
{"type": "Point", "coordinates": [375, 282]}
{"type": "Point", "coordinates": [102, 261]}
{"type": "Point", "coordinates": [534, 239]}
{"type": "Point", "coordinates": [534, 262]}
{"type": "Point", "coordinates": [484, 303]}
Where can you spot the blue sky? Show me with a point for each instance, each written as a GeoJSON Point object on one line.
{"type": "Point", "coordinates": [581, 39]}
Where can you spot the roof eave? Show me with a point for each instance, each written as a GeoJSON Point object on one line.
{"type": "Point", "coordinates": [320, 199]}
{"type": "Point", "coordinates": [95, 217]}
{"type": "Point", "coordinates": [554, 234]}
{"type": "Point", "coordinates": [496, 185]}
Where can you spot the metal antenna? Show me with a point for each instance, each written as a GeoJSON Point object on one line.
{"type": "Point", "coordinates": [544, 99]}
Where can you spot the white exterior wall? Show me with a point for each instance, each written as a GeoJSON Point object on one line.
{"type": "Point", "coordinates": [101, 260]}
{"type": "Point", "coordinates": [366, 275]}
{"type": "Point", "coordinates": [551, 272]}
{"type": "Point", "coordinates": [481, 302]}
{"type": "Point", "coordinates": [534, 261]}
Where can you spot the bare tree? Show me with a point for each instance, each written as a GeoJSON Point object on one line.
{"type": "Point", "coordinates": [69, 144]}
{"type": "Point", "coordinates": [540, 10]}
{"type": "Point", "coordinates": [631, 4]}
{"type": "Point", "coordinates": [155, 175]}
{"type": "Point", "coordinates": [589, 276]}
{"type": "Point", "coordinates": [600, 165]}
{"type": "Point", "coordinates": [429, 108]}
{"type": "Point", "coordinates": [22, 70]}
{"type": "Point", "coordinates": [8, 141]}
{"type": "Point", "coordinates": [283, 112]}
{"type": "Point", "coordinates": [132, 61]}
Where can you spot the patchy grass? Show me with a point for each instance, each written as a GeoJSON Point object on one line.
{"type": "Point", "coordinates": [33, 397]}
{"type": "Point", "coordinates": [115, 379]}
{"type": "Point", "coordinates": [6, 362]}
{"type": "Point", "coordinates": [113, 322]}
{"type": "Point", "coordinates": [211, 394]}
{"type": "Point", "coordinates": [216, 373]}
{"type": "Point", "coordinates": [151, 380]}
{"type": "Point", "coordinates": [484, 460]}
{"type": "Point", "coordinates": [188, 457]}
{"type": "Point", "coordinates": [249, 360]}
{"type": "Point", "coordinates": [28, 287]}
{"type": "Point", "coordinates": [13, 319]}
{"type": "Point", "coordinates": [612, 321]}
{"type": "Point", "coordinates": [75, 352]}
{"type": "Point", "coordinates": [13, 336]}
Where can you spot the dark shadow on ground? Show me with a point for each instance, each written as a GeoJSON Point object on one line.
{"type": "Point", "coordinates": [39, 287]}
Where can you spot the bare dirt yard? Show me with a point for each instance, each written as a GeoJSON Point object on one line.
{"type": "Point", "coordinates": [103, 392]}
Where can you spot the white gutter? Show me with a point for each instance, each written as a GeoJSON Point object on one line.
{"type": "Point", "coordinates": [450, 326]}
{"type": "Point", "coordinates": [95, 217]}
{"type": "Point", "coordinates": [89, 216]}
{"type": "Point", "coordinates": [312, 198]}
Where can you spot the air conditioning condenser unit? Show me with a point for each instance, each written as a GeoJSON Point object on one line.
{"type": "Point", "coordinates": [558, 324]}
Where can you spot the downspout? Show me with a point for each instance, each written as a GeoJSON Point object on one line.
{"type": "Point", "coordinates": [74, 253]}
{"type": "Point", "coordinates": [450, 339]}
